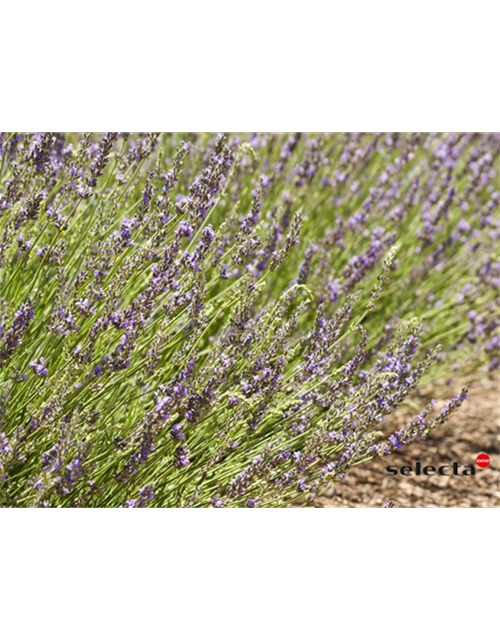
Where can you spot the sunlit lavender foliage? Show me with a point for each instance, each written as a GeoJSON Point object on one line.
{"type": "Point", "coordinates": [206, 320]}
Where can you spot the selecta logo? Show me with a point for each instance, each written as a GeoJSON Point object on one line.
{"type": "Point", "coordinates": [482, 461]}
{"type": "Point", "coordinates": [444, 470]}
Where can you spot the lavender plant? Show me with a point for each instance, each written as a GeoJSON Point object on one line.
{"type": "Point", "coordinates": [200, 320]}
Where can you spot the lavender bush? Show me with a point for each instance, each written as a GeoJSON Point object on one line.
{"type": "Point", "coordinates": [200, 320]}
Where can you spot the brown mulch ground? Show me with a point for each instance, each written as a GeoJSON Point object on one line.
{"type": "Point", "coordinates": [473, 429]}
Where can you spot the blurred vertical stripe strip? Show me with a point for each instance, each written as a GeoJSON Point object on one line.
{"type": "Point", "coordinates": [352, 573]}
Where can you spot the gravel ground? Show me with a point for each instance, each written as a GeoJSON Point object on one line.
{"type": "Point", "coordinates": [474, 429]}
